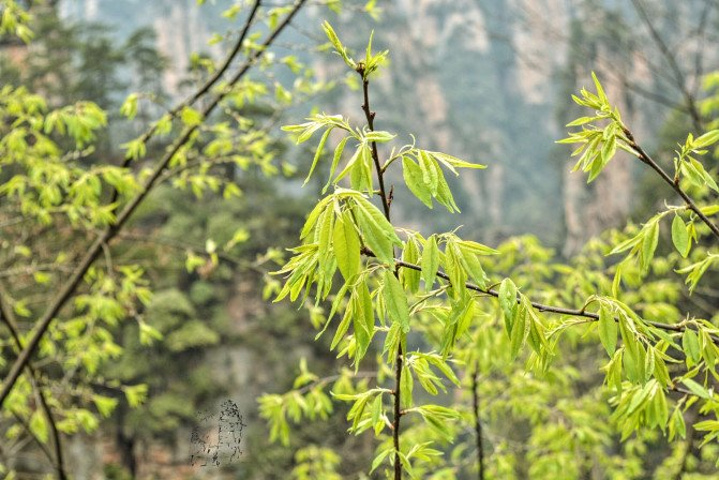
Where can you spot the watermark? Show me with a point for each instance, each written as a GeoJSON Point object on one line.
{"type": "Point", "coordinates": [216, 440]}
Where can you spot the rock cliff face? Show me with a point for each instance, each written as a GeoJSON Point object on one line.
{"type": "Point", "coordinates": [487, 80]}
{"type": "Point", "coordinates": [491, 81]}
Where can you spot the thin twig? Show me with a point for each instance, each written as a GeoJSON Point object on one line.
{"type": "Point", "coordinates": [540, 306]}
{"type": "Point", "coordinates": [205, 88]}
{"type": "Point", "coordinates": [397, 414]}
{"type": "Point", "coordinates": [477, 420]}
{"type": "Point", "coordinates": [645, 158]}
{"type": "Point", "coordinates": [58, 462]}
{"type": "Point", "coordinates": [671, 59]}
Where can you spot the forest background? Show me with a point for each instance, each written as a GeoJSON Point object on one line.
{"type": "Point", "coordinates": [180, 311]}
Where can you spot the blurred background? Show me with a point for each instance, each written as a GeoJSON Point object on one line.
{"type": "Point", "coordinates": [489, 81]}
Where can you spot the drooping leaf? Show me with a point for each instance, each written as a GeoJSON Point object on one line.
{"type": "Point", "coordinates": [396, 300]}
{"type": "Point", "coordinates": [346, 245]}
{"type": "Point", "coordinates": [316, 159]}
{"type": "Point", "coordinates": [413, 178]}
{"type": "Point", "coordinates": [410, 276]}
{"type": "Point", "coordinates": [680, 236]}
{"type": "Point", "coordinates": [607, 329]}
{"type": "Point", "coordinates": [649, 245]}
{"type": "Point", "coordinates": [430, 262]}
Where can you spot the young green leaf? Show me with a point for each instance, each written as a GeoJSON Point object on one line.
{"type": "Point", "coordinates": [690, 345]}
{"type": "Point", "coordinates": [410, 276]}
{"type": "Point", "coordinates": [430, 171]}
{"type": "Point", "coordinates": [430, 262]}
{"type": "Point", "coordinates": [607, 330]}
{"type": "Point", "coordinates": [680, 236]}
{"type": "Point", "coordinates": [407, 386]}
{"type": "Point", "coordinates": [508, 300]}
{"type": "Point", "coordinates": [649, 245]}
{"type": "Point", "coordinates": [346, 244]}
{"type": "Point", "coordinates": [412, 174]}
{"type": "Point", "coordinates": [320, 148]}
{"type": "Point", "coordinates": [396, 300]}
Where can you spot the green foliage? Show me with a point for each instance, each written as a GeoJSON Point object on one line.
{"type": "Point", "coordinates": [656, 372]}
{"type": "Point", "coordinates": [63, 201]}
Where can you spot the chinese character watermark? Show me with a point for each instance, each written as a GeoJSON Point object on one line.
{"type": "Point", "coordinates": [216, 440]}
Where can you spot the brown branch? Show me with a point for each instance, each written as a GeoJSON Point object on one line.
{"type": "Point", "coordinates": [540, 306]}
{"type": "Point", "coordinates": [40, 443]}
{"type": "Point", "coordinates": [58, 462]}
{"type": "Point", "coordinates": [674, 183]}
{"type": "Point", "coordinates": [375, 156]}
{"type": "Point", "coordinates": [68, 290]}
{"type": "Point", "coordinates": [178, 245]}
{"type": "Point", "coordinates": [477, 420]}
{"type": "Point", "coordinates": [397, 393]}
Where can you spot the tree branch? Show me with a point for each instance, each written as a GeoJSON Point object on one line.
{"type": "Point", "coordinates": [69, 289]}
{"type": "Point", "coordinates": [397, 398]}
{"type": "Point", "coordinates": [540, 306]}
{"type": "Point", "coordinates": [204, 88]}
{"type": "Point", "coordinates": [671, 59]}
{"type": "Point", "coordinates": [645, 158]}
{"type": "Point", "coordinates": [58, 462]}
{"type": "Point", "coordinates": [477, 420]}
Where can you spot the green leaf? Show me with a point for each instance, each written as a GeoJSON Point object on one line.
{"type": "Point", "coordinates": [607, 330]}
{"type": "Point", "coordinates": [343, 326]}
{"type": "Point", "coordinates": [376, 229]}
{"type": "Point", "coordinates": [135, 394]}
{"type": "Point", "coordinates": [38, 426]}
{"type": "Point", "coordinates": [444, 194]}
{"type": "Point", "coordinates": [429, 170]}
{"type": "Point", "coordinates": [190, 117]}
{"type": "Point", "coordinates": [335, 161]}
{"type": "Point", "coordinates": [518, 333]}
{"type": "Point", "coordinates": [680, 236]}
{"type": "Point", "coordinates": [706, 140]}
{"type": "Point", "coordinates": [346, 244]}
{"type": "Point", "coordinates": [430, 262]}
{"type": "Point", "coordinates": [407, 387]}
{"type": "Point", "coordinates": [380, 458]}
{"type": "Point", "coordinates": [508, 300]}
{"type": "Point", "coordinates": [697, 389]}
{"type": "Point", "coordinates": [129, 106]}
{"type": "Point", "coordinates": [313, 216]}
{"type": "Point", "coordinates": [361, 171]}
{"type": "Point", "coordinates": [323, 233]}
{"type": "Point", "coordinates": [710, 210]}
{"type": "Point", "coordinates": [105, 405]}
{"type": "Point", "coordinates": [478, 248]}
{"type": "Point", "coordinates": [640, 396]}
{"type": "Point", "coordinates": [600, 90]}
{"type": "Point", "coordinates": [649, 245]}
{"type": "Point", "coordinates": [412, 174]}
{"type": "Point", "coordinates": [396, 300]}
{"type": "Point", "coordinates": [410, 276]}
{"type": "Point", "coordinates": [337, 44]}
{"type": "Point", "coordinates": [376, 414]}
{"type": "Point", "coordinates": [379, 136]}
{"type": "Point", "coordinates": [363, 321]}
{"type": "Point", "coordinates": [690, 344]}
{"type": "Point", "coordinates": [452, 162]}
{"type": "Point", "coordinates": [320, 148]}
{"type": "Point", "coordinates": [708, 179]}
{"type": "Point", "coordinates": [472, 265]}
